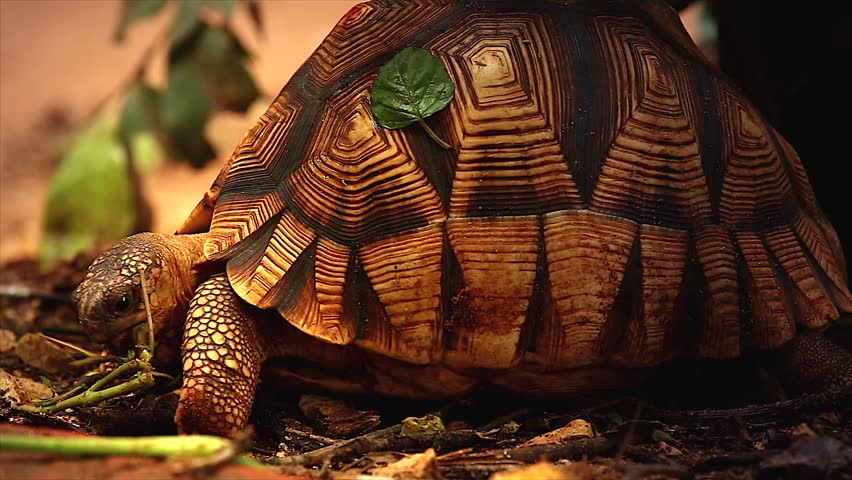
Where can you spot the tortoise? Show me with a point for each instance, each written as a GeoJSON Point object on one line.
{"type": "Point", "coordinates": [609, 203]}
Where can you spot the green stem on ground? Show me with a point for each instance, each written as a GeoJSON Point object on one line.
{"type": "Point", "coordinates": [160, 446]}
{"type": "Point", "coordinates": [47, 402]}
{"type": "Point", "coordinates": [140, 381]}
{"type": "Point", "coordinates": [438, 140]}
{"type": "Point", "coordinates": [139, 362]}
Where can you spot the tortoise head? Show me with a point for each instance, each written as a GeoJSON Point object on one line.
{"type": "Point", "coordinates": [110, 303]}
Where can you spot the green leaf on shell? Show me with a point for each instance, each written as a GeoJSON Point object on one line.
{"type": "Point", "coordinates": [413, 85]}
{"type": "Point", "coordinates": [133, 10]}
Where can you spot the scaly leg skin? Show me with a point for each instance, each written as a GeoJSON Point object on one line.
{"type": "Point", "coordinates": [810, 362]}
{"type": "Point", "coordinates": [221, 355]}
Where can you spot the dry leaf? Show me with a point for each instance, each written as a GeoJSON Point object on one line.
{"type": "Point", "coordinates": [417, 466]}
{"type": "Point", "coordinates": [7, 340]}
{"type": "Point", "coordinates": [803, 430]}
{"type": "Point", "coordinates": [575, 429]}
{"type": "Point", "coordinates": [22, 391]}
{"type": "Point", "coordinates": [669, 450]}
{"type": "Point", "coordinates": [39, 352]}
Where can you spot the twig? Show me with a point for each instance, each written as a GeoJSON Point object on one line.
{"type": "Point", "coordinates": [387, 439]}
{"type": "Point", "coordinates": [734, 459]}
{"type": "Point", "coordinates": [354, 447]}
{"type": "Point", "coordinates": [71, 346]}
{"type": "Point", "coordinates": [149, 318]}
{"type": "Point", "coordinates": [812, 401]}
{"type": "Point", "coordinates": [631, 430]}
{"type": "Point", "coordinates": [324, 441]}
{"type": "Point", "coordinates": [551, 451]}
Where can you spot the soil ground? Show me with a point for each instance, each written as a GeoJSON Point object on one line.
{"type": "Point", "coordinates": [713, 420]}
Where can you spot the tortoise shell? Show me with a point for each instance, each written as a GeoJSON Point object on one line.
{"type": "Point", "coordinates": [610, 199]}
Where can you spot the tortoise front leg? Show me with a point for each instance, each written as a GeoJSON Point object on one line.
{"type": "Point", "coordinates": [221, 355]}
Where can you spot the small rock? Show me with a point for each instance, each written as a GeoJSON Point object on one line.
{"type": "Point", "coordinates": [417, 466]}
{"type": "Point", "coordinates": [575, 429]}
{"type": "Point", "coordinates": [20, 390]}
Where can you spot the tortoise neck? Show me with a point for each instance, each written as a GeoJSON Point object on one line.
{"type": "Point", "coordinates": [188, 260]}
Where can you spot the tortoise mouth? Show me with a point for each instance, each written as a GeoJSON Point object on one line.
{"type": "Point", "coordinates": [116, 332]}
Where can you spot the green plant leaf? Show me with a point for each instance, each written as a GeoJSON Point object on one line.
{"type": "Point", "coordinates": [185, 109]}
{"type": "Point", "coordinates": [139, 126]}
{"type": "Point", "coordinates": [186, 105]}
{"type": "Point", "coordinates": [226, 7]}
{"type": "Point", "coordinates": [146, 151]}
{"type": "Point", "coordinates": [220, 58]}
{"type": "Point", "coordinates": [413, 85]}
{"type": "Point", "coordinates": [141, 111]}
{"type": "Point", "coordinates": [661, 436]}
{"type": "Point", "coordinates": [186, 21]}
{"type": "Point", "coordinates": [89, 200]}
{"type": "Point", "coordinates": [133, 10]}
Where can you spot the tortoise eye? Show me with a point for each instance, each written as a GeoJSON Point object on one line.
{"type": "Point", "coordinates": [122, 305]}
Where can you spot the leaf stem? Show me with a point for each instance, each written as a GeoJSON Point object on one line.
{"type": "Point", "coordinates": [438, 140]}
{"type": "Point", "coordinates": [161, 446]}
{"type": "Point", "coordinates": [150, 320]}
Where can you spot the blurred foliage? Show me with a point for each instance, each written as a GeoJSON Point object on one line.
{"type": "Point", "coordinates": [95, 197]}
{"type": "Point", "coordinates": [206, 73]}
{"type": "Point", "coordinates": [91, 197]}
